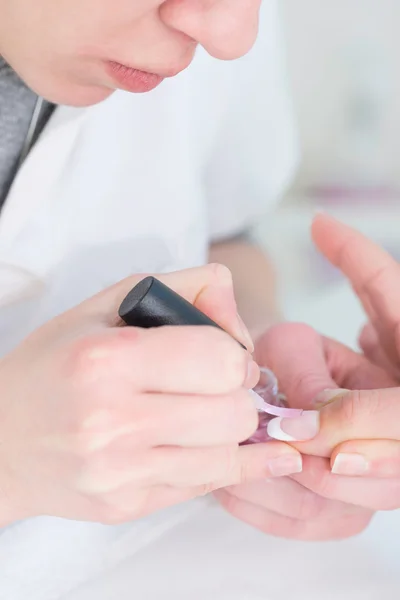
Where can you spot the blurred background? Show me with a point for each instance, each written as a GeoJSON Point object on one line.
{"type": "Point", "coordinates": [344, 76]}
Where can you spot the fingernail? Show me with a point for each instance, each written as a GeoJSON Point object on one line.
{"type": "Point", "coordinates": [248, 342]}
{"type": "Point", "coordinates": [253, 374]}
{"type": "Point", "coordinates": [328, 396]}
{"type": "Point", "coordinates": [297, 429]}
{"type": "Point", "coordinates": [285, 465]}
{"type": "Point", "coordinates": [350, 464]}
{"type": "Point", "coordinates": [257, 400]}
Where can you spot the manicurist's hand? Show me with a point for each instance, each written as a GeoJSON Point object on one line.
{"type": "Point", "coordinates": [107, 423]}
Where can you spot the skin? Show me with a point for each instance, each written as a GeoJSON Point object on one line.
{"type": "Point", "coordinates": [336, 498]}
{"type": "Point", "coordinates": [60, 48]}
{"type": "Point", "coordinates": [72, 451]}
{"type": "Point", "coordinates": [73, 446]}
{"type": "Point", "coordinates": [256, 296]}
{"type": "Point", "coordinates": [62, 55]}
{"type": "Point", "coordinates": [60, 449]}
{"type": "Point", "coordinates": [92, 433]}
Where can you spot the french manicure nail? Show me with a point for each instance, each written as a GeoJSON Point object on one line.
{"type": "Point", "coordinates": [297, 429]}
{"type": "Point", "coordinates": [246, 334]}
{"type": "Point", "coordinates": [350, 464]}
{"type": "Point", "coordinates": [285, 465]}
{"type": "Point", "coordinates": [328, 396]}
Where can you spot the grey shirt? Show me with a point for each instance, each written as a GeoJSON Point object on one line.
{"type": "Point", "coordinates": [17, 103]}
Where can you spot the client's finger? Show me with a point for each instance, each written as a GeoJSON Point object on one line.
{"type": "Point", "coordinates": [374, 274]}
{"type": "Point", "coordinates": [367, 458]}
{"type": "Point", "coordinates": [287, 497]}
{"type": "Point", "coordinates": [295, 353]}
{"type": "Point", "coordinates": [371, 493]}
{"type": "Point", "coordinates": [269, 522]}
{"type": "Point", "coordinates": [353, 371]}
{"type": "Point", "coordinates": [357, 415]}
{"type": "Point", "coordinates": [371, 346]}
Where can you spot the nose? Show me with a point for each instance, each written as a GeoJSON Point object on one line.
{"type": "Point", "coordinates": [227, 29]}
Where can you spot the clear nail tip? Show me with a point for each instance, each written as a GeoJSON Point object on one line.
{"type": "Point", "coordinates": [270, 403]}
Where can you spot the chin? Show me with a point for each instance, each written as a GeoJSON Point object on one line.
{"type": "Point", "coordinates": [85, 97]}
{"type": "Point", "coordinates": [64, 90]}
{"type": "Point", "coordinates": [78, 96]}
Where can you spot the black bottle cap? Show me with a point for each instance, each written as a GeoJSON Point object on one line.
{"type": "Point", "coordinates": [153, 304]}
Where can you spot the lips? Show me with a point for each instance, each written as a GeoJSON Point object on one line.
{"type": "Point", "coordinates": [132, 80]}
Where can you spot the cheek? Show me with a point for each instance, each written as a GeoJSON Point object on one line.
{"type": "Point", "coordinates": [101, 25]}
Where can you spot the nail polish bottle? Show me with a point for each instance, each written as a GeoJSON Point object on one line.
{"type": "Point", "coordinates": [153, 304]}
{"type": "Point", "coordinates": [267, 390]}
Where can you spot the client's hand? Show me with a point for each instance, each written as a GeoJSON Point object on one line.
{"type": "Point", "coordinates": [298, 507]}
{"type": "Point", "coordinates": [362, 428]}
{"type": "Point", "coordinates": [353, 462]}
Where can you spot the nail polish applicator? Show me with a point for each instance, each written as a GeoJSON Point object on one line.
{"type": "Point", "coordinates": [153, 304]}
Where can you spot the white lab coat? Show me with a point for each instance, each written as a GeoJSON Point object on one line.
{"type": "Point", "coordinates": [144, 182]}
{"type": "Point", "coordinates": [137, 184]}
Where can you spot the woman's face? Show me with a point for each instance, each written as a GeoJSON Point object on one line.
{"type": "Point", "coordinates": [79, 51]}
